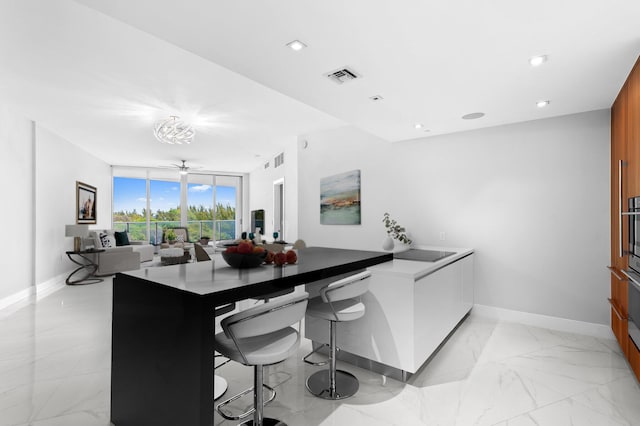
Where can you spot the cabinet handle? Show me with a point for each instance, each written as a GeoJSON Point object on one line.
{"type": "Point", "coordinates": [615, 274]}
{"type": "Point", "coordinates": [613, 306]}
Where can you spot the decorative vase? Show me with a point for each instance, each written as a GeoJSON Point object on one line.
{"type": "Point", "coordinates": [387, 244]}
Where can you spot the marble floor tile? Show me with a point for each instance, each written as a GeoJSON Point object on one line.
{"type": "Point", "coordinates": [618, 400]}
{"type": "Point", "coordinates": [512, 339]}
{"type": "Point", "coordinates": [55, 371]}
{"type": "Point", "coordinates": [565, 412]}
{"type": "Point", "coordinates": [456, 359]}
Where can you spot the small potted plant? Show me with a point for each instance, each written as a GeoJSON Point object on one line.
{"type": "Point", "coordinates": [394, 232]}
{"type": "Point", "coordinates": [170, 236]}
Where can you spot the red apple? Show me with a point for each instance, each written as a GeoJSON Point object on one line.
{"type": "Point", "coordinates": [269, 258]}
{"type": "Point", "coordinates": [245, 248]}
{"type": "Point", "coordinates": [232, 249]}
{"type": "Point", "coordinates": [280, 259]}
{"type": "Point", "coordinates": [292, 257]}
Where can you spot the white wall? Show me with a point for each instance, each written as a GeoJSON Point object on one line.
{"type": "Point", "coordinates": [261, 193]}
{"type": "Point", "coordinates": [59, 164]}
{"type": "Point", "coordinates": [38, 171]}
{"type": "Point", "coordinates": [337, 151]}
{"type": "Point", "coordinates": [18, 207]}
{"type": "Point", "coordinates": [531, 198]}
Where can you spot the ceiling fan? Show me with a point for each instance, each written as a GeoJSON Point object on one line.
{"type": "Point", "coordinates": [182, 168]}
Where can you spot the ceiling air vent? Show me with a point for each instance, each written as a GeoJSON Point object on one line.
{"type": "Point", "coordinates": [342, 75]}
{"type": "Point", "coordinates": [266, 165]}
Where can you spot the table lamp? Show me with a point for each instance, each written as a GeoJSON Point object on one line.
{"type": "Point", "coordinates": [77, 232]}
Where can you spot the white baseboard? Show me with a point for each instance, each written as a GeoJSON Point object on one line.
{"type": "Point", "coordinates": [544, 321]}
{"type": "Point", "coordinates": [17, 297]}
{"type": "Point", "coordinates": [52, 285]}
{"type": "Point", "coordinates": [23, 297]}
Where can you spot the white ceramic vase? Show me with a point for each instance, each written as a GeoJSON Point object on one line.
{"type": "Point", "coordinates": [387, 244]}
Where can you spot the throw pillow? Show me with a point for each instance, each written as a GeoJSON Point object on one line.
{"type": "Point", "coordinates": [122, 238]}
{"type": "Point", "coordinates": [180, 238]}
{"type": "Point", "coordinates": [106, 240]}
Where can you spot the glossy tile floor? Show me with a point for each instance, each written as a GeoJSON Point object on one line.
{"type": "Point", "coordinates": [55, 361]}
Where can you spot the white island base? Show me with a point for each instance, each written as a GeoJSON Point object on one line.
{"type": "Point", "coordinates": [411, 308]}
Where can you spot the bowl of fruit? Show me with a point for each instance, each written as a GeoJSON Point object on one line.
{"type": "Point", "coordinates": [244, 255]}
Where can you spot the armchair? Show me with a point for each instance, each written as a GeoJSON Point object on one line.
{"type": "Point", "coordinates": [182, 236]}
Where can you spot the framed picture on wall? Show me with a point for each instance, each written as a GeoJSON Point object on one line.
{"type": "Point", "coordinates": [85, 203]}
{"type": "Point", "coordinates": [340, 199]}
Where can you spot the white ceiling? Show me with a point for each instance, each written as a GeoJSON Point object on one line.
{"type": "Point", "coordinates": [101, 73]}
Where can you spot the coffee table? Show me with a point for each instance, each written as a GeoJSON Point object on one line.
{"type": "Point", "coordinates": [174, 255]}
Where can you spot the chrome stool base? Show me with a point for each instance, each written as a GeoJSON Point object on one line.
{"type": "Point", "coordinates": [319, 384]}
{"type": "Point", "coordinates": [219, 387]}
{"type": "Point", "coordinates": [267, 421]}
{"type": "Point", "coordinates": [223, 404]}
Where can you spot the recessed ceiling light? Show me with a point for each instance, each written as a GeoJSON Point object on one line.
{"type": "Point", "coordinates": [296, 45]}
{"type": "Point", "coordinates": [542, 104]}
{"type": "Point", "coordinates": [418, 126]}
{"type": "Point", "coordinates": [473, 116]}
{"type": "Point", "coordinates": [538, 60]}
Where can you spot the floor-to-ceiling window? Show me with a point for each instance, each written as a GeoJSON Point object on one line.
{"type": "Point", "coordinates": [130, 206]}
{"type": "Point", "coordinates": [213, 206]}
{"type": "Point", "coordinates": [200, 197]}
{"type": "Point", "coordinates": [164, 206]}
{"type": "Point", "coordinates": [148, 201]}
{"type": "Point", "coordinates": [227, 212]}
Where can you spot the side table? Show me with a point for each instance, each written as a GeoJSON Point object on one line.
{"type": "Point", "coordinates": [86, 264]}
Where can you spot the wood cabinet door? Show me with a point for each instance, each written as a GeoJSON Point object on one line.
{"type": "Point", "coordinates": [619, 173]}
{"type": "Point", "coordinates": [620, 330]}
{"type": "Point", "coordinates": [633, 355]}
{"type": "Point", "coordinates": [631, 134]}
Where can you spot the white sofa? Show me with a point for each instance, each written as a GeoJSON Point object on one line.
{"type": "Point", "coordinates": [117, 258]}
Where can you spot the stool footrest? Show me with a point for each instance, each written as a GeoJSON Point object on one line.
{"type": "Point", "coordinates": [220, 406]}
{"type": "Point", "coordinates": [317, 364]}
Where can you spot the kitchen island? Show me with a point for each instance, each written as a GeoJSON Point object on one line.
{"type": "Point", "coordinates": [163, 329]}
{"type": "Point", "coordinates": [411, 308]}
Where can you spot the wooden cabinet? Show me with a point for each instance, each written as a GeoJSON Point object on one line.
{"type": "Point", "coordinates": [619, 314]}
{"type": "Point", "coordinates": [625, 183]}
{"type": "Point", "coordinates": [619, 175]}
{"type": "Point", "coordinates": [632, 132]}
{"type": "Point", "coordinates": [634, 357]}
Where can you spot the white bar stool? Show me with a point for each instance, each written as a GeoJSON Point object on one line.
{"type": "Point", "coordinates": [219, 383]}
{"type": "Point", "coordinates": [259, 336]}
{"type": "Point", "coordinates": [338, 301]}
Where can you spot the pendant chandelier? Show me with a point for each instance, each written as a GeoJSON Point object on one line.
{"type": "Point", "coordinates": [173, 131]}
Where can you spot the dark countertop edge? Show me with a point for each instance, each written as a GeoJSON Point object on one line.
{"type": "Point", "coordinates": [260, 289]}
{"type": "Point", "coordinates": [224, 297]}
